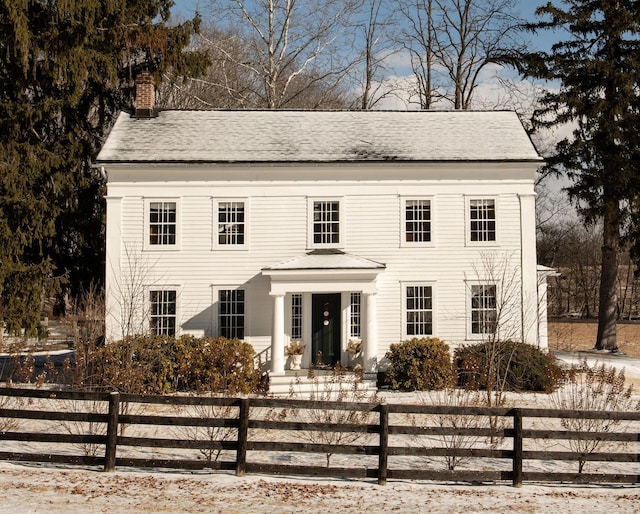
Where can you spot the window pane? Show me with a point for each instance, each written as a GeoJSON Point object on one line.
{"type": "Point", "coordinates": [356, 315]}
{"type": "Point", "coordinates": [162, 223]}
{"type": "Point", "coordinates": [296, 317]}
{"type": "Point", "coordinates": [419, 310]}
{"type": "Point", "coordinates": [483, 309]}
{"type": "Point", "coordinates": [482, 215]}
{"type": "Point", "coordinates": [231, 313]}
{"type": "Point", "coordinates": [326, 222]}
{"type": "Point", "coordinates": [231, 226]}
{"type": "Point", "coordinates": [163, 312]}
{"type": "Point", "coordinates": [418, 221]}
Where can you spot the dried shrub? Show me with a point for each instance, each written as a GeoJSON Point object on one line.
{"type": "Point", "coordinates": [163, 364]}
{"type": "Point", "coordinates": [506, 366]}
{"type": "Point", "coordinates": [419, 364]}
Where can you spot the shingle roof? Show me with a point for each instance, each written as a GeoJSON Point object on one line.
{"type": "Point", "coordinates": [318, 136]}
{"type": "Point", "coordinates": [326, 259]}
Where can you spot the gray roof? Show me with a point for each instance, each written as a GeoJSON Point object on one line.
{"type": "Point", "coordinates": [318, 136]}
{"type": "Point", "coordinates": [326, 260]}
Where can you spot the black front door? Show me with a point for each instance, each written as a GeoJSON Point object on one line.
{"type": "Point", "coordinates": [326, 329]}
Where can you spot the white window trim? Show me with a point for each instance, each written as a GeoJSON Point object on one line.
{"type": "Point", "coordinates": [434, 317]}
{"type": "Point", "coordinates": [147, 302]}
{"type": "Point", "coordinates": [467, 224]}
{"type": "Point", "coordinates": [403, 224]}
{"type": "Point", "coordinates": [470, 336]}
{"type": "Point", "coordinates": [341, 227]}
{"type": "Point", "coordinates": [147, 209]}
{"type": "Point", "coordinates": [215, 295]}
{"type": "Point", "coordinates": [247, 232]}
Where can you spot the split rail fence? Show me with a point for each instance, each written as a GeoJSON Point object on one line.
{"type": "Point", "coordinates": [260, 435]}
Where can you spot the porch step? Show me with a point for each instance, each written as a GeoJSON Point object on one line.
{"type": "Point", "coordinates": [324, 384]}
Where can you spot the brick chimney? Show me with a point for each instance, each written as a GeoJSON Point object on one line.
{"type": "Point", "coordinates": [145, 96]}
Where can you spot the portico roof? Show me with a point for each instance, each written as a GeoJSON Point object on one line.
{"type": "Point", "coordinates": [329, 259]}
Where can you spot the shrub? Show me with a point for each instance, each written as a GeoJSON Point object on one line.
{"type": "Point", "coordinates": [419, 364]}
{"type": "Point", "coordinates": [506, 365]}
{"type": "Point", "coordinates": [163, 364]}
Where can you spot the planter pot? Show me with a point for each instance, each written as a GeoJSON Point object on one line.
{"type": "Point", "coordinates": [296, 361]}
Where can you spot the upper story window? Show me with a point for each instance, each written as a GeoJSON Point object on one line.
{"type": "Point", "coordinates": [327, 223]}
{"type": "Point", "coordinates": [418, 310]}
{"type": "Point", "coordinates": [482, 220]}
{"type": "Point", "coordinates": [163, 308]}
{"type": "Point", "coordinates": [162, 223]}
{"type": "Point", "coordinates": [483, 309]}
{"type": "Point", "coordinates": [417, 221]}
{"type": "Point", "coordinates": [231, 223]}
{"type": "Point", "coordinates": [231, 313]}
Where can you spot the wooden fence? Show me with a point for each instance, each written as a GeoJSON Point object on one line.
{"type": "Point", "coordinates": [250, 433]}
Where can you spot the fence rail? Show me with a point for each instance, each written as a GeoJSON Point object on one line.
{"type": "Point", "coordinates": [378, 433]}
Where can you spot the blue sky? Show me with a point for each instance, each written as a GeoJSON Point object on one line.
{"type": "Point", "coordinates": [527, 8]}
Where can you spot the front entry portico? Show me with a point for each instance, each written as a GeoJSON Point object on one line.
{"type": "Point", "coordinates": [325, 278]}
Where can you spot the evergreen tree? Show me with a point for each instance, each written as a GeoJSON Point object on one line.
{"type": "Point", "coordinates": [66, 69]}
{"type": "Point", "coordinates": [598, 69]}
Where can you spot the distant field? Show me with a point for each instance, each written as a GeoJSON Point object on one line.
{"type": "Point", "coordinates": [581, 335]}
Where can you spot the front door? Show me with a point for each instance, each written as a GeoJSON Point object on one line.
{"type": "Point", "coordinates": [326, 325]}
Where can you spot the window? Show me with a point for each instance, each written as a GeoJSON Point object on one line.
{"type": "Point", "coordinates": [483, 309]}
{"type": "Point", "coordinates": [419, 310]}
{"type": "Point", "coordinates": [326, 222]}
{"type": "Point", "coordinates": [356, 316]}
{"type": "Point", "coordinates": [482, 218]}
{"type": "Point", "coordinates": [163, 312]}
{"type": "Point", "coordinates": [417, 221]}
{"type": "Point", "coordinates": [231, 223]}
{"type": "Point", "coordinates": [231, 313]}
{"type": "Point", "coordinates": [162, 223]}
{"type": "Point", "coordinates": [296, 317]}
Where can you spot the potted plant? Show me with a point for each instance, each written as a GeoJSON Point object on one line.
{"type": "Point", "coordinates": [354, 349]}
{"type": "Point", "coordinates": [295, 350]}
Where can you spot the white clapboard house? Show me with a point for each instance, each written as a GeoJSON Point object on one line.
{"type": "Point", "coordinates": [322, 227]}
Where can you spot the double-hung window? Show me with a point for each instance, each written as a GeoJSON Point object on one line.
{"type": "Point", "coordinates": [326, 223]}
{"type": "Point", "coordinates": [162, 223]}
{"type": "Point", "coordinates": [231, 225]}
{"type": "Point", "coordinates": [163, 308]}
{"type": "Point", "coordinates": [417, 221]}
{"type": "Point", "coordinates": [482, 220]}
{"type": "Point", "coordinates": [418, 310]}
{"type": "Point", "coordinates": [231, 313]}
{"type": "Point", "coordinates": [483, 309]}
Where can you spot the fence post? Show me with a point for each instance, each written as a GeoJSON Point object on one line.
{"type": "Point", "coordinates": [112, 432]}
{"type": "Point", "coordinates": [243, 437]}
{"type": "Point", "coordinates": [384, 444]}
{"type": "Point", "coordinates": [518, 454]}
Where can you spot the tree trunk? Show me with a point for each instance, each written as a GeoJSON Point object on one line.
{"type": "Point", "coordinates": [607, 310]}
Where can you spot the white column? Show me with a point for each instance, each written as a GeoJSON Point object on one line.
{"type": "Point", "coordinates": [370, 350]}
{"type": "Point", "coordinates": [277, 336]}
{"type": "Point", "coordinates": [529, 272]}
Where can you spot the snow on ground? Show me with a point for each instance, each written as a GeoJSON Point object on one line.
{"type": "Point", "coordinates": [32, 488]}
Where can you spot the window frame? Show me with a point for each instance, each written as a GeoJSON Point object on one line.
{"type": "Point", "coordinates": [403, 220]}
{"type": "Point", "coordinates": [297, 317]}
{"type": "Point", "coordinates": [311, 201]}
{"type": "Point", "coordinates": [216, 223]}
{"type": "Point", "coordinates": [471, 335]}
{"type": "Point", "coordinates": [176, 315]}
{"type": "Point", "coordinates": [218, 290]}
{"type": "Point", "coordinates": [405, 310]}
{"type": "Point", "coordinates": [355, 316]}
{"type": "Point", "coordinates": [147, 225]}
{"type": "Point", "coordinates": [468, 221]}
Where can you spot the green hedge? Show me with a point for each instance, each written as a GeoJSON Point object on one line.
{"type": "Point", "coordinates": [517, 366]}
{"type": "Point", "coordinates": [419, 364]}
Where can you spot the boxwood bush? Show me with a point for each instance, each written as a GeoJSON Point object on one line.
{"type": "Point", "coordinates": [516, 366]}
{"type": "Point", "coordinates": [164, 364]}
{"type": "Point", "coordinates": [419, 364]}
